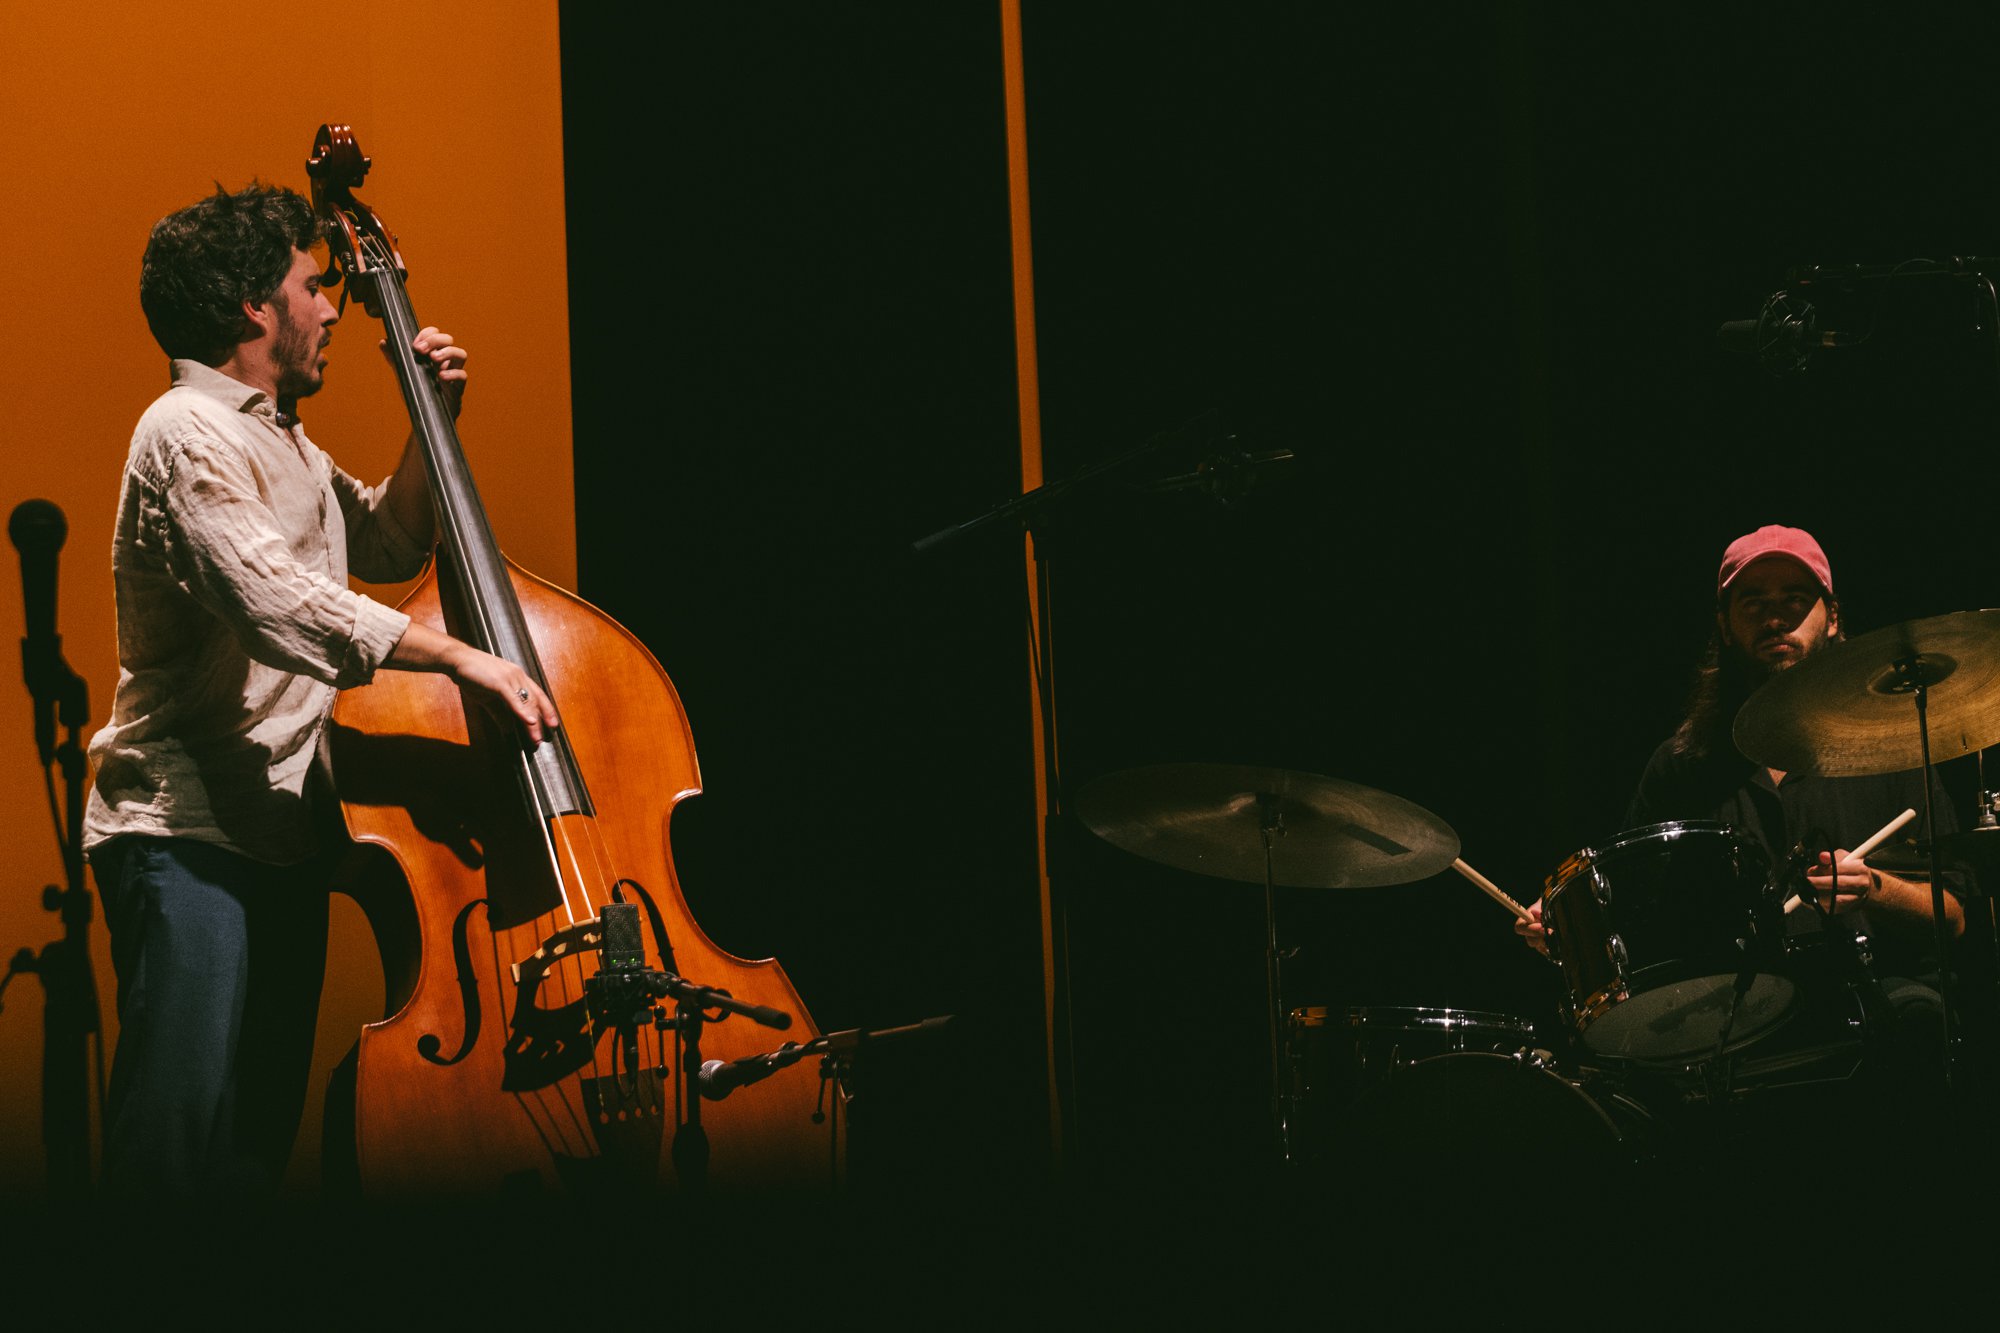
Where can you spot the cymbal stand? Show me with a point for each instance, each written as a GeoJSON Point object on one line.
{"type": "Point", "coordinates": [1910, 679]}
{"type": "Point", "coordinates": [1989, 818]}
{"type": "Point", "coordinates": [1271, 827]}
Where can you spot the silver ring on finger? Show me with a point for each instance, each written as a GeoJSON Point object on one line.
{"type": "Point", "coordinates": [522, 695]}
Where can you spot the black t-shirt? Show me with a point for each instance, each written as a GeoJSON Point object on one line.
{"type": "Point", "coordinates": [1834, 812]}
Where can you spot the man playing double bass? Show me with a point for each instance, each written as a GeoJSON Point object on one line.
{"type": "Point", "coordinates": [1775, 607]}
{"type": "Point", "coordinates": [233, 544]}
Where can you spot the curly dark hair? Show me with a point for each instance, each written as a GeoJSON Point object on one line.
{"type": "Point", "coordinates": [1725, 678]}
{"type": "Point", "coordinates": [203, 262]}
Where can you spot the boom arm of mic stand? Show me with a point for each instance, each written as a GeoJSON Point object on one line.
{"type": "Point", "coordinates": [1025, 505]}
{"type": "Point", "coordinates": [706, 997]}
{"type": "Point", "coordinates": [718, 1079]}
{"type": "Point", "coordinates": [1221, 473]}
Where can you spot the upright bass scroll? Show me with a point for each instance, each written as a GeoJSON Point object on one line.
{"type": "Point", "coordinates": [520, 948]}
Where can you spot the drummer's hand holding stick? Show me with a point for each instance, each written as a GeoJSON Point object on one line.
{"type": "Point", "coordinates": [1527, 920]}
{"type": "Point", "coordinates": [1841, 879]}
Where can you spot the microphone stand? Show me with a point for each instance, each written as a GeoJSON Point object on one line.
{"type": "Point", "coordinates": [622, 996]}
{"type": "Point", "coordinates": [839, 1054]}
{"type": "Point", "coordinates": [72, 1027]}
{"type": "Point", "coordinates": [1034, 512]}
{"type": "Point", "coordinates": [690, 1147]}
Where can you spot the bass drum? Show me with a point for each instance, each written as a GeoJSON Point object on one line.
{"type": "Point", "coordinates": [1339, 1056]}
{"type": "Point", "coordinates": [1486, 1121]}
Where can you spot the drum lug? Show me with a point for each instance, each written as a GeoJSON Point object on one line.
{"type": "Point", "coordinates": [1619, 958]}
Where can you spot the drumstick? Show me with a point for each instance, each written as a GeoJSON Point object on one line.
{"type": "Point", "coordinates": [1794, 902]}
{"type": "Point", "coordinates": [1492, 890]}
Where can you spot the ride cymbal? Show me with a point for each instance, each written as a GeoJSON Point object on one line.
{"type": "Point", "coordinates": [1849, 709]}
{"type": "Point", "coordinates": [1209, 819]}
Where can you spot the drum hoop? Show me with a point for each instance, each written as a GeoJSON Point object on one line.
{"type": "Point", "coordinates": [1588, 860]}
{"type": "Point", "coordinates": [1411, 1018]}
{"type": "Point", "coordinates": [1667, 831]}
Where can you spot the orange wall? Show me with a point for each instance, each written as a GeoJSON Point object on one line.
{"type": "Point", "coordinates": [114, 121]}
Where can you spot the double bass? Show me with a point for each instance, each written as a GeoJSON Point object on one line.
{"type": "Point", "coordinates": [551, 999]}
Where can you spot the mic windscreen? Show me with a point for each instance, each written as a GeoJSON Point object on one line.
{"type": "Point", "coordinates": [37, 526]}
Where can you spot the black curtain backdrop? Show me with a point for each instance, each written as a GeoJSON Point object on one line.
{"type": "Point", "coordinates": [1467, 265]}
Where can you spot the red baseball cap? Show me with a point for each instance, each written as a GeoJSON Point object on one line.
{"type": "Point", "coordinates": [1791, 543]}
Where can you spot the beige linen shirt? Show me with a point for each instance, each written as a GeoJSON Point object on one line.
{"type": "Point", "coordinates": [236, 626]}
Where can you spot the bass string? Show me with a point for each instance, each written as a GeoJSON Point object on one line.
{"type": "Point", "coordinates": [399, 319]}
{"type": "Point", "coordinates": [549, 850]}
{"type": "Point", "coordinates": [563, 856]}
{"type": "Point", "coordinates": [605, 870]}
{"type": "Point", "coordinates": [568, 972]}
{"type": "Point", "coordinates": [369, 258]}
{"type": "Point", "coordinates": [456, 513]}
{"type": "Point", "coordinates": [495, 622]}
{"type": "Point", "coordinates": [534, 1102]}
{"type": "Point", "coordinates": [589, 860]}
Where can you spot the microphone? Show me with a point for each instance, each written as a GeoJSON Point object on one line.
{"type": "Point", "coordinates": [622, 948]}
{"type": "Point", "coordinates": [38, 530]}
{"type": "Point", "coordinates": [718, 1078]}
{"type": "Point", "coordinates": [1785, 336]}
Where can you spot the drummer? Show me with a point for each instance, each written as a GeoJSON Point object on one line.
{"type": "Point", "coordinates": [1775, 607]}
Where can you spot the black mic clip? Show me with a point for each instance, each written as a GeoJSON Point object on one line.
{"type": "Point", "coordinates": [1227, 475]}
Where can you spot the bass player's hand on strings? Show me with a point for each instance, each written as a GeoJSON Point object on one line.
{"type": "Point", "coordinates": [496, 684]}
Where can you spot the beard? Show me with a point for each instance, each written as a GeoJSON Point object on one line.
{"type": "Point", "coordinates": [1757, 670]}
{"type": "Point", "coordinates": [295, 356]}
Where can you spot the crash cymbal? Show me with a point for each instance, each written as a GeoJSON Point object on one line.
{"type": "Point", "coordinates": [1208, 818]}
{"type": "Point", "coordinates": [1848, 709]}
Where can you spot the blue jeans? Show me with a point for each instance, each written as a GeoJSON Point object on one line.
{"type": "Point", "coordinates": [219, 962]}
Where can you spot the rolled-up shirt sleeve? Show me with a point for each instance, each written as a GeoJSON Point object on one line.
{"type": "Point", "coordinates": [379, 548]}
{"type": "Point", "coordinates": [223, 546]}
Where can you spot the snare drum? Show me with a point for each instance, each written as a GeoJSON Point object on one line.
{"type": "Point", "coordinates": [1655, 931]}
{"type": "Point", "coordinates": [1338, 1056]}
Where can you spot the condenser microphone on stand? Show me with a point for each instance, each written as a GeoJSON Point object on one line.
{"type": "Point", "coordinates": [1786, 336]}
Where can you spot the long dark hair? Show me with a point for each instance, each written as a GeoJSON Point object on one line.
{"type": "Point", "coordinates": [1725, 678]}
